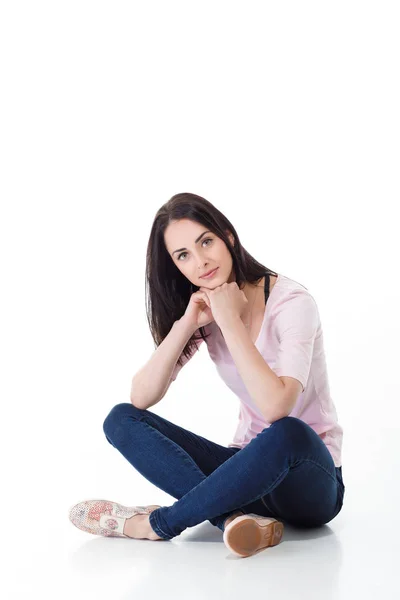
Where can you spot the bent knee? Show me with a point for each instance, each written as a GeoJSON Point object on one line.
{"type": "Point", "coordinates": [297, 434]}
{"type": "Point", "coordinates": [116, 414]}
{"type": "Point", "coordinates": [289, 421]}
{"type": "Point", "coordinates": [291, 425]}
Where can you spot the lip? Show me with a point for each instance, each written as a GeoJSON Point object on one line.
{"type": "Point", "coordinates": [211, 274]}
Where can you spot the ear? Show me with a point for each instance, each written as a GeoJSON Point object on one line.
{"type": "Point", "coordinates": [231, 238]}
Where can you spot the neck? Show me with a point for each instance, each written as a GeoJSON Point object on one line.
{"type": "Point", "coordinates": [251, 293]}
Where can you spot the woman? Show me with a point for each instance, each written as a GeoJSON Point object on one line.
{"type": "Point", "coordinates": [284, 463]}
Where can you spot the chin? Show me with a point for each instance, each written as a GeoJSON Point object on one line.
{"type": "Point", "coordinates": [214, 282]}
{"type": "Point", "coordinates": [211, 285]}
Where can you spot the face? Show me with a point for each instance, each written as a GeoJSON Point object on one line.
{"type": "Point", "coordinates": [195, 251]}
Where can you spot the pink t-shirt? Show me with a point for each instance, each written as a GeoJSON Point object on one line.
{"type": "Point", "coordinates": [291, 342]}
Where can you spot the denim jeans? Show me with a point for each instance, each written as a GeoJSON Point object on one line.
{"type": "Point", "coordinates": [285, 472]}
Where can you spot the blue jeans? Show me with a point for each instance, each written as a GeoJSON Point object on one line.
{"type": "Point", "coordinates": [285, 472]}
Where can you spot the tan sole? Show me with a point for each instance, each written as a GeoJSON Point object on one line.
{"type": "Point", "coordinates": [247, 535]}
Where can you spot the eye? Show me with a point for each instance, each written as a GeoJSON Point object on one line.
{"type": "Point", "coordinates": [205, 240]}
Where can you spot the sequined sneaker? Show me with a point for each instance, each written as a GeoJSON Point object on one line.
{"type": "Point", "coordinates": [103, 517]}
{"type": "Point", "coordinates": [251, 533]}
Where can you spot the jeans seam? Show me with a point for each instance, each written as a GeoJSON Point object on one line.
{"type": "Point", "coordinates": [288, 469]}
{"type": "Point", "coordinates": [267, 507]}
{"type": "Point", "coordinates": [194, 442]}
{"type": "Point", "coordinates": [320, 466]}
{"type": "Point", "coordinates": [272, 484]}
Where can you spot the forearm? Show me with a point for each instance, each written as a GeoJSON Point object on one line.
{"type": "Point", "coordinates": [151, 381]}
{"type": "Point", "coordinates": [263, 385]}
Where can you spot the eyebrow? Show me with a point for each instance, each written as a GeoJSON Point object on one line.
{"type": "Point", "coordinates": [195, 241]}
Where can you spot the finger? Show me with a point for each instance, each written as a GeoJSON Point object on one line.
{"type": "Point", "coordinates": [203, 298]}
{"type": "Point", "coordinates": [206, 300]}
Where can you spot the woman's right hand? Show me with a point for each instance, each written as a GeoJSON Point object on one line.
{"type": "Point", "coordinates": [198, 312]}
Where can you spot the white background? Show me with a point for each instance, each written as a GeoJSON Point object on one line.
{"type": "Point", "coordinates": [285, 115]}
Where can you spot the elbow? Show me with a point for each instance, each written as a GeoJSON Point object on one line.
{"type": "Point", "coordinates": [279, 411]}
{"type": "Point", "coordinates": [284, 404]}
{"type": "Point", "coordinates": [134, 402]}
{"type": "Point", "coordinates": [276, 417]}
{"type": "Point", "coordinates": [135, 395]}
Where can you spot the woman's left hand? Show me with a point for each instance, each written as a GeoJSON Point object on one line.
{"type": "Point", "coordinates": [227, 302]}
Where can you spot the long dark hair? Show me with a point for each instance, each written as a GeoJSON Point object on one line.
{"type": "Point", "coordinates": [168, 291]}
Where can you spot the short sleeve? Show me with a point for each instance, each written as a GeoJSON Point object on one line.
{"type": "Point", "coordinates": [297, 322]}
{"type": "Point", "coordinates": [178, 367]}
